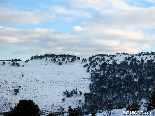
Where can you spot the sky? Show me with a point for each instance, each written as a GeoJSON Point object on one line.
{"type": "Point", "coordinates": [77, 27]}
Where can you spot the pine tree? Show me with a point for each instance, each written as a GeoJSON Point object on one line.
{"type": "Point", "coordinates": [3, 63]}
{"type": "Point", "coordinates": [73, 112]}
{"type": "Point", "coordinates": [70, 111]}
{"type": "Point", "coordinates": [25, 108]}
{"type": "Point", "coordinates": [151, 99]}
{"type": "Point", "coordinates": [93, 112]}
{"type": "Point", "coordinates": [76, 112]}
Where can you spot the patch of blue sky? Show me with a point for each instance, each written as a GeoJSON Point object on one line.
{"type": "Point", "coordinates": [149, 31]}
{"type": "Point", "coordinates": [31, 5]}
{"type": "Point", "coordinates": [19, 4]}
{"type": "Point", "coordinates": [7, 53]}
{"type": "Point", "coordinates": [62, 26]}
{"type": "Point", "coordinates": [140, 3]}
{"type": "Point", "coordinates": [23, 56]}
{"type": "Point", "coordinates": [60, 3]}
{"type": "Point", "coordinates": [91, 10]}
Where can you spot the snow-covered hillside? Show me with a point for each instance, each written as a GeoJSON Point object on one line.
{"type": "Point", "coordinates": [43, 82]}
{"type": "Point", "coordinates": [55, 82]}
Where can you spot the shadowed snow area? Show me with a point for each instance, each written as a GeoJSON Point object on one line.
{"type": "Point", "coordinates": [43, 82]}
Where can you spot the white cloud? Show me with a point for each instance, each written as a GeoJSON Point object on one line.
{"type": "Point", "coordinates": [130, 19]}
{"type": "Point", "coordinates": [7, 39]}
{"type": "Point", "coordinates": [23, 37]}
{"type": "Point", "coordinates": [12, 16]}
{"type": "Point", "coordinates": [65, 11]}
{"type": "Point", "coordinates": [85, 42]}
{"type": "Point", "coordinates": [32, 51]}
{"type": "Point", "coordinates": [152, 1]}
{"type": "Point", "coordinates": [70, 20]}
{"type": "Point", "coordinates": [107, 33]}
{"type": "Point", "coordinates": [117, 13]}
{"type": "Point", "coordinates": [77, 28]}
{"type": "Point", "coordinates": [146, 46]}
{"type": "Point", "coordinates": [112, 43]}
{"type": "Point", "coordinates": [94, 4]}
{"type": "Point", "coordinates": [99, 4]}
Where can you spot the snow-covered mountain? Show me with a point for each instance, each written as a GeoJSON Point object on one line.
{"type": "Point", "coordinates": [55, 82]}
{"type": "Point", "coordinates": [44, 82]}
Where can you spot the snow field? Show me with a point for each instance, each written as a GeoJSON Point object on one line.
{"type": "Point", "coordinates": [44, 82]}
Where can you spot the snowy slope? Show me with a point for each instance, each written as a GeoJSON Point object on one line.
{"type": "Point", "coordinates": [44, 82]}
